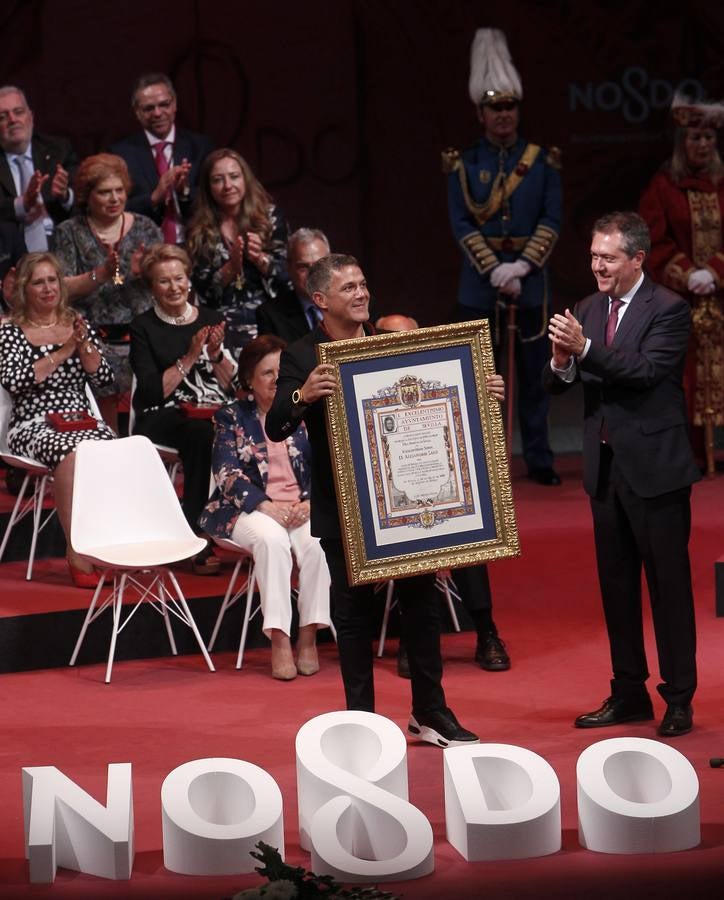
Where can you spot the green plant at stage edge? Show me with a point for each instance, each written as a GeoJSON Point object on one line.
{"type": "Point", "coordinates": [296, 883]}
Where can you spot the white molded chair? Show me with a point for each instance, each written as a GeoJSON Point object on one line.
{"type": "Point", "coordinates": [169, 455]}
{"type": "Point", "coordinates": [34, 470]}
{"type": "Point", "coordinates": [127, 520]}
{"type": "Point", "coordinates": [443, 582]}
{"type": "Point", "coordinates": [40, 474]}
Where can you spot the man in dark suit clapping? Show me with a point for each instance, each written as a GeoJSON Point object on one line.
{"type": "Point", "coordinates": [164, 161]}
{"type": "Point", "coordinates": [627, 345]}
{"type": "Point", "coordinates": [35, 172]}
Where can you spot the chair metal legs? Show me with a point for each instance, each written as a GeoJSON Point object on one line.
{"type": "Point", "coordinates": [156, 593]}
{"type": "Point", "coordinates": [24, 506]}
{"type": "Point", "coordinates": [441, 583]}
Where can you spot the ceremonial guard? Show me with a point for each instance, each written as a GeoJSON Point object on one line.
{"type": "Point", "coordinates": [684, 208]}
{"type": "Point", "coordinates": [504, 200]}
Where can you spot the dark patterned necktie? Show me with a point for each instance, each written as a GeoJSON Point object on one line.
{"type": "Point", "coordinates": [612, 321]}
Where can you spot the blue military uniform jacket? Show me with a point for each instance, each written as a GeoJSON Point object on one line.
{"type": "Point", "coordinates": [503, 208]}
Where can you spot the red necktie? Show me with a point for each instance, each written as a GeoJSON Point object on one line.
{"type": "Point", "coordinates": [612, 321]}
{"type": "Point", "coordinates": [168, 225]}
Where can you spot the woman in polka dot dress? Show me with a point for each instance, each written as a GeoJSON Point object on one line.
{"type": "Point", "coordinates": [48, 354]}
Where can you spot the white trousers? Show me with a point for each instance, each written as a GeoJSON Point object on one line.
{"type": "Point", "coordinates": [272, 546]}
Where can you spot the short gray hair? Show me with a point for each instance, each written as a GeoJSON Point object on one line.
{"type": "Point", "coordinates": [306, 236]}
{"type": "Point", "coordinates": [634, 231]}
{"type": "Point", "coordinates": [12, 89]}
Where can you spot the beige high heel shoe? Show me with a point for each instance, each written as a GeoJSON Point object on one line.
{"type": "Point", "coordinates": [307, 658]}
{"type": "Point", "coordinates": [282, 660]}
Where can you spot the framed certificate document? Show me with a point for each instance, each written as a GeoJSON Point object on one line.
{"type": "Point", "coordinates": [418, 445]}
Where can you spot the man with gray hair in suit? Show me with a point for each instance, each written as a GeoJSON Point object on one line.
{"type": "Point", "coordinates": [35, 172]}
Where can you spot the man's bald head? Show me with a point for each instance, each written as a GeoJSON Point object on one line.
{"type": "Point", "coordinates": [396, 322]}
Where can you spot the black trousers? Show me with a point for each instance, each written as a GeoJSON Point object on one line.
{"type": "Point", "coordinates": [530, 357]}
{"type": "Point", "coordinates": [632, 532]}
{"type": "Point", "coordinates": [473, 586]}
{"type": "Point", "coordinates": [352, 610]}
{"type": "Point", "coordinates": [194, 439]}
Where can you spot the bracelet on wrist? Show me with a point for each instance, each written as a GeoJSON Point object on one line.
{"type": "Point", "coordinates": [182, 368]}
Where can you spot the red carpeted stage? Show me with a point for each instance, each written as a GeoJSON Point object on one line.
{"type": "Point", "coordinates": [160, 712]}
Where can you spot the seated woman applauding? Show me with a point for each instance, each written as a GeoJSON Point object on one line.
{"type": "Point", "coordinates": [100, 251]}
{"type": "Point", "coordinates": [48, 354]}
{"type": "Point", "coordinates": [261, 503]}
{"type": "Point", "coordinates": [183, 374]}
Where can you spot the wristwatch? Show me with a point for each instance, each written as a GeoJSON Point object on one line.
{"type": "Point", "coordinates": [297, 398]}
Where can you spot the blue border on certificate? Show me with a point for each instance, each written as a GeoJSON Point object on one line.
{"type": "Point", "coordinates": [348, 370]}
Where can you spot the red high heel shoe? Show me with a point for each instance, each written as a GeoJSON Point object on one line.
{"type": "Point", "coordinates": [82, 579]}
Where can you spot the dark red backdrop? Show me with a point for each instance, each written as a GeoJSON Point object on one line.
{"type": "Point", "coordinates": [342, 107]}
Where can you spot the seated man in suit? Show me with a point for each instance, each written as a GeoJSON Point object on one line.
{"type": "Point", "coordinates": [35, 172]}
{"type": "Point", "coordinates": [163, 161]}
{"type": "Point", "coordinates": [293, 314]}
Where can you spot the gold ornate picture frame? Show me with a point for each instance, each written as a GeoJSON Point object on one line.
{"type": "Point", "coordinates": [418, 449]}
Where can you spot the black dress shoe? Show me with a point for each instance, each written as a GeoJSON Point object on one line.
{"type": "Point", "coordinates": [441, 728]}
{"type": "Point", "coordinates": [490, 653]}
{"type": "Point", "coordinates": [614, 711]}
{"type": "Point", "coordinates": [677, 720]}
{"type": "Point", "coordinates": [545, 475]}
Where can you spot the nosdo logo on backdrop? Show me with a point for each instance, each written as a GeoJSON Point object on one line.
{"type": "Point", "coordinates": [355, 818]}
{"type": "Point", "coordinates": [636, 95]}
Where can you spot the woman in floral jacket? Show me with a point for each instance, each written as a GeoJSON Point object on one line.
{"type": "Point", "coordinates": [261, 502]}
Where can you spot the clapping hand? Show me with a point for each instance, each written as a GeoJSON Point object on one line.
{"type": "Point", "coordinates": [32, 201]}
{"type": "Point", "coordinates": [255, 249]}
{"type": "Point", "coordinates": [8, 285]}
{"type": "Point", "coordinates": [197, 342]}
{"type": "Point", "coordinates": [80, 331]}
{"type": "Point", "coordinates": [136, 259]}
{"type": "Point", "coordinates": [215, 340]}
{"type": "Point", "coordinates": [59, 184]}
{"type": "Point", "coordinates": [236, 254]}
{"type": "Point", "coordinates": [181, 177]}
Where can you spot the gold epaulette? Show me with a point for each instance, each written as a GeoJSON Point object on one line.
{"type": "Point", "coordinates": [450, 160]}
{"type": "Point", "coordinates": [555, 158]}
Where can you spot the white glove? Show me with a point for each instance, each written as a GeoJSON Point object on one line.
{"type": "Point", "coordinates": [700, 282]}
{"type": "Point", "coordinates": [505, 272]}
{"type": "Point", "coordinates": [512, 288]}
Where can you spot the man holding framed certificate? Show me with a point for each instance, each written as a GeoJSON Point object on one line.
{"type": "Point", "coordinates": [338, 287]}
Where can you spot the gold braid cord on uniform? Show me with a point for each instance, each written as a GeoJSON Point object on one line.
{"type": "Point", "coordinates": [479, 253]}
{"type": "Point", "coordinates": [540, 246]}
{"type": "Point", "coordinates": [482, 212]}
